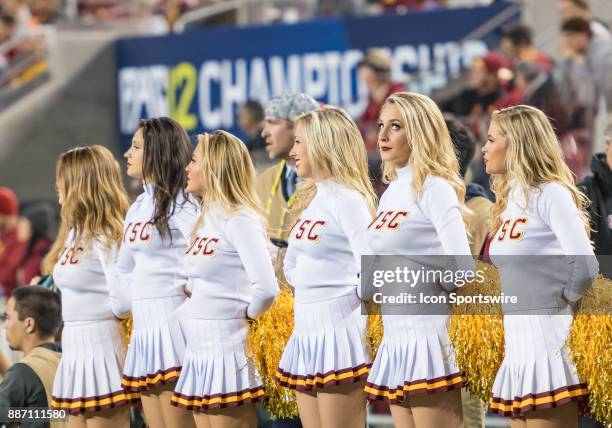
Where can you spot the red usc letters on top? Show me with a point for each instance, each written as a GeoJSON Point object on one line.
{"type": "Point", "coordinates": [388, 220]}
{"type": "Point", "coordinates": [509, 229]}
{"type": "Point", "coordinates": [307, 229]}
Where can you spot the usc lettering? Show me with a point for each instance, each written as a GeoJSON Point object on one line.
{"type": "Point", "coordinates": [207, 246]}
{"type": "Point", "coordinates": [70, 255]}
{"type": "Point", "coordinates": [388, 220]}
{"type": "Point", "coordinates": [308, 229]}
{"type": "Point", "coordinates": [137, 232]}
{"type": "Point", "coordinates": [510, 229]}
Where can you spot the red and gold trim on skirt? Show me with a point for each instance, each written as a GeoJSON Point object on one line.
{"type": "Point", "coordinates": [543, 400]}
{"type": "Point", "coordinates": [322, 380]}
{"type": "Point", "coordinates": [144, 383]}
{"type": "Point", "coordinates": [421, 386]}
{"type": "Point", "coordinates": [96, 403]}
{"type": "Point", "coordinates": [218, 401]}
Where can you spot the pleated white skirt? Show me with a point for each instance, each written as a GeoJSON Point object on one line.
{"type": "Point", "coordinates": [536, 372]}
{"type": "Point", "coordinates": [216, 371]}
{"type": "Point", "coordinates": [414, 357]}
{"type": "Point", "coordinates": [157, 346]}
{"type": "Point", "coordinates": [88, 377]}
{"type": "Point", "coordinates": [327, 347]}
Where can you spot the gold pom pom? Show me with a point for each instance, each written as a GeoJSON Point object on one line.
{"type": "Point", "coordinates": [477, 334]}
{"type": "Point", "coordinates": [374, 329]}
{"type": "Point", "coordinates": [268, 336]}
{"type": "Point", "coordinates": [126, 327]}
{"type": "Point", "coordinates": [590, 343]}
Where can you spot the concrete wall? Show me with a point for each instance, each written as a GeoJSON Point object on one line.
{"type": "Point", "coordinates": [76, 107]}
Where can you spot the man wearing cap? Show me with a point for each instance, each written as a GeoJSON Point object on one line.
{"type": "Point", "coordinates": [14, 235]}
{"type": "Point", "coordinates": [375, 72]}
{"type": "Point", "coordinates": [485, 88]}
{"type": "Point", "coordinates": [276, 185]}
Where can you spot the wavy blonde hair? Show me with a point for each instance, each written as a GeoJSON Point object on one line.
{"type": "Point", "coordinates": [228, 174]}
{"type": "Point", "coordinates": [335, 150]}
{"type": "Point", "coordinates": [533, 157]}
{"type": "Point", "coordinates": [95, 201]}
{"type": "Point", "coordinates": [431, 147]}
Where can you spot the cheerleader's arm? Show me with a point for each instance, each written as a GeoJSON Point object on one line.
{"type": "Point", "coordinates": [118, 292]}
{"type": "Point", "coordinates": [247, 235]}
{"type": "Point", "coordinates": [119, 278]}
{"type": "Point", "coordinates": [353, 217]}
{"type": "Point", "coordinates": [559, 212]}
{"type": "Point", "coordinates": [440, 204]}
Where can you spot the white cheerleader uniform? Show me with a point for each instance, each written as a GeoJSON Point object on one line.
{"type": "Point", "coordinates": [232, 279]}
{"type": "Point", "coordinates": [152, 269]}
{"type": "Point", "coordinates": [322, 264]}
{"type": "Point", "coordinates": [544, 257]}
{"type": "Point", "coordinates": [88, 378]}
{"type": "Point", "coordinates": [415, 355]}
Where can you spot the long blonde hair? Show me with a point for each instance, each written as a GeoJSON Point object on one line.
{"type": "Point", "coordinates": [431, 147]}
{"type": "Point", "coordinates": [228, 174]}
{"type": "Point", "coordinates": [94, 199]}
{"type": "Point", "coordinates": [335, 150]}
{"type": "Point", "coordinates": [533, 157]}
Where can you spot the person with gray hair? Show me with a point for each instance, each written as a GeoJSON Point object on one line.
{"type": "Point", "coordinates": [276, 185]}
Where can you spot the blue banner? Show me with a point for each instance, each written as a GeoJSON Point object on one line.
{"type": "Point", "coordinates": [200, 78]}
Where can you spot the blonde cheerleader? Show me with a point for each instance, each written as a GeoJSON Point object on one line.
{"type": "Point", "coordinates": [93, 203]}
{"type": "Point", "coordinates": [326, 359]}
{"type": "Point", "coordinates": [543, 254]}
{"type": "Point", "coordinates": [156, 235]}
{"type": "Point", "coordinates": [420, 214]}
{"type": "Point", "coordinates": [232, 280]}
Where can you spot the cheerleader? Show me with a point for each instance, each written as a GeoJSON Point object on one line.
{"type": "Point", "coordinates": [232, 280]}
{"type": "Point", "coordinates": [157, 229]}
{"type": "Point", "coordinates": [419, 214]}
{"type": "Point", "coordinates": [326, 359]}
{"type": "Point", "coordinates": [93, 202]}
{"type": "Point", "coordinates": [540, 238]}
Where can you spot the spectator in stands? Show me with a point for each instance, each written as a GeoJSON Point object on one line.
{"type": "Point", "coordinates": [32, 319]}
{"type": "Point", "coordinates": [581, 47]}
{"type": "Point", "coordinates": [598, 188]}
{"type": "Point", "coordinates": [484, 89]}
{"type": "Point", "coordinates": [7, 32]}
{"type": "Point", "coordinates": [375, 72]}
{"type": "Point", "coordinates": [45, 12]}
{"type": "Point", "coordinates": [569, 9]}
{"type": "Point", "coordinates": [8, 27]}
{"type": "Point", "coordinates": [339, 7]}
{"type": "Point", "coordinates": [251, 122]}
{"type": "Point", "coordinates": [535, 87]}
{"type": "Point", "coordinates": [517, 44]}
{"type": "Point", "coordinates": [14, 238]}
{"type": "Point", "coordinates": [20, 11]}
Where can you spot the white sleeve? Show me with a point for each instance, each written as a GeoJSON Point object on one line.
{"type": "Point", "coordinates": [353, 217]}
{"type": "Point", "coordinates": [289, 264]}
{"type": "Point", "coordinates": [440, 204]}
{"type": "Point", "coordinates": [558, 210]}
{"type": "Point", "coordinates": [247, 235]}
{"type": "Point", "coordinates": [186, 216]}
{"type": "Point", "coordinates": [119, 293]}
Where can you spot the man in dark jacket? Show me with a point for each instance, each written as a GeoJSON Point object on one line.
{"type": "Point", "coordinates": [598, 189]}
{"type": "Point", "coordinates": [31, 320]}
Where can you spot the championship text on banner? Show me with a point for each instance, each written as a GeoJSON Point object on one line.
{"type": "Point", "coordinates": [200, 78]}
